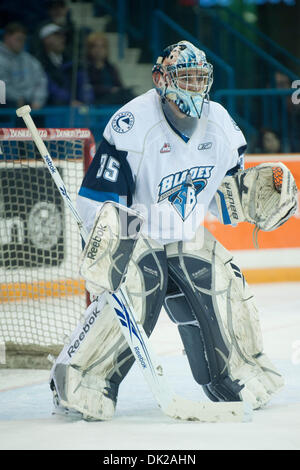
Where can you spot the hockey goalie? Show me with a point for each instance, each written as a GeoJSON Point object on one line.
{"type": "Point", "coordinates": [169, 156]}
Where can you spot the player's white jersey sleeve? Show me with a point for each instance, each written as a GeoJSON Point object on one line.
{"type": "Point", "coordinates": [237, 145]}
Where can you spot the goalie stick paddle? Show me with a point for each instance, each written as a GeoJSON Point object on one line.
{"type": "Point", "coordinates": [172, 405]}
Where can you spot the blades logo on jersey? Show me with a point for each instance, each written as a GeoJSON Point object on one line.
{"type": "Point", "coordinates": [182, 188]}
{"type": "Point", "coordinates": [184, 200]}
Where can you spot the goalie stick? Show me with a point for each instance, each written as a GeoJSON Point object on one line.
{"type": "Point", "coordinates": [173, 405]}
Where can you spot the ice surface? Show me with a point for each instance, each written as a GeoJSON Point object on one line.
{"type": "Point", "coordinates": [27, 422]}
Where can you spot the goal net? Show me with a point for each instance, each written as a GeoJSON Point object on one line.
{"type": "Point", "coordinates": [41, 295]}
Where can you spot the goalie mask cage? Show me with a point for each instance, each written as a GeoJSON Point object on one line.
{"type": "Point", "coordinates": [42, 297]}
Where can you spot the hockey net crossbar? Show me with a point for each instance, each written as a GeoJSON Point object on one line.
{"type": "Point", "coordinates": [41, 294]}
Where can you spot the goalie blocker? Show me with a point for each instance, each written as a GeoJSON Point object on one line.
{"type": "Point", "coordinates": [106, 256]}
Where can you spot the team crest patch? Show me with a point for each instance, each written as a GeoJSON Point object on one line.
{"type": "Point", "coordinates": [181, 189]}
{"type": "Point", "coordinates": [123, 122]}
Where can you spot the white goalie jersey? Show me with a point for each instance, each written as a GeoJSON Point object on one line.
{"type": "Point", "coordinates": [170, 179]}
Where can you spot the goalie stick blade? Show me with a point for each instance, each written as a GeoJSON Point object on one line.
{"type": "Point", "coordinates": [225, 412]}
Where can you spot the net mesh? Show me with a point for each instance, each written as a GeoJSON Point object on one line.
{"type": "Point", "coordinates": [278, 177]}
{"type": "Point", "coordinates": [41, 294]}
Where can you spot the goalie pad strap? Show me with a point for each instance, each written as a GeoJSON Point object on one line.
{"type": "Point", "coordinates": [180, 312]}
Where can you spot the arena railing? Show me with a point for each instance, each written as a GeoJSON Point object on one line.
{"type": "Point", "coordinates": [252, 109]}
{"type": "Point", "coordinates": [268, 108]}
{"type": "Point", "coordinates": [237, 22]}
{"type": "Point", "coordinates": [91, 117]}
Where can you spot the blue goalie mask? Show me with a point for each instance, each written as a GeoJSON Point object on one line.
{"type": "Point", "coordinates": [183, 75]}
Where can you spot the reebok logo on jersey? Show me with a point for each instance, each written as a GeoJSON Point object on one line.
{"type": "Point", "coordinates": [123, 122]}
{"type": "Point", "coordinates": [205, 146]}
{"type": "Point", "coordinates": [182, 188]}
{"type": "Point", "coordinates": [165, 148]}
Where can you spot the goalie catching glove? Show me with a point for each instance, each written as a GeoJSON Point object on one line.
{"type": "Point", "coordinates": [265, 195]}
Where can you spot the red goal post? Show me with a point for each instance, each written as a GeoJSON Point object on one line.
{"type": "Point", "coordinates": [41, 295]}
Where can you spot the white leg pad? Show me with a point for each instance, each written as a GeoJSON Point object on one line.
{"type": "Point", "coordinates": [78, 377]}
{"type": "Point", "coordinates": [90, 367]}
{"type": "Point", "coordinates": [261, 381]}
{"type": "Point", "coordinates": [87, 395]}
{"type": "Point", "coordinates": [239, 323]}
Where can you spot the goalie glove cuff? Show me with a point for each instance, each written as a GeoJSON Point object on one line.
{"type": "Point", "coordinates": [228, 201]}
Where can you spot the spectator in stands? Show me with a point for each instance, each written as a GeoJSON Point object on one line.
{"type": "Point", "coordinates": [59, 13]}
{"type": "Point", "coordinates": [283, 82]}
{"type": "Point", "coordinates": [268, 142]}
{"type": "Point", "coordinates": [67, 84]}
{"type": "Point", "coordinates": [104, 76]}
{"type": "Point", "coordinates": [24, 77]}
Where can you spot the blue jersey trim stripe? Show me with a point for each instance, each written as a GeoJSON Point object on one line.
{"type": "Point", "coordinates": [184, 137]}
{"type": "Point", "coordinates": [242, 150]}
{"type": "Point", "coordinates": [100, 196]}
{"type": "Point", "coordinates": [226, 218]}
{"type": "Point", "coordinates": [233, 170]}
